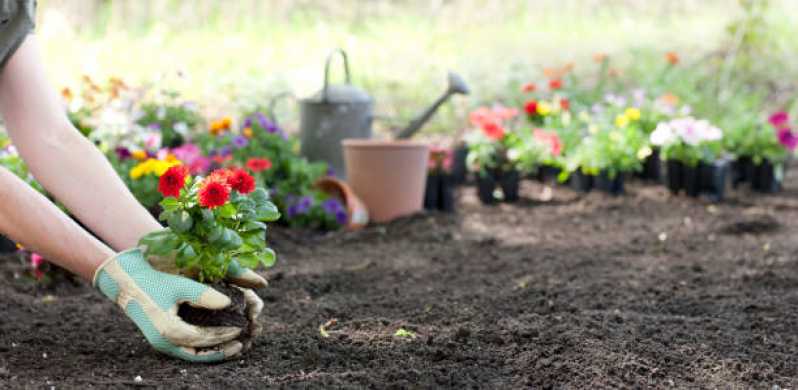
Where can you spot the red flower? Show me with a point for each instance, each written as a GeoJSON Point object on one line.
{"type": "Point", "coordinates": [531, 107]}
{"type": "Point", "coordinates": [213, 193]}
{"type": "Point", "coordinates": [172, 181]}
{"type": "Point", "coordinates": [555, 84]}
{"type": "Point", "coordinates": [672, 57]}
{"type": "Point", "coordinates": [493, 130]}
{"type": "Point", "coordinates": [565, 104]}
{"type": "Point", "coordinates": [222, 159]}
{"type": "Point", "coordinates": [529, 88]}
{"type": "Point", "coordinates": [259, 164]}
{"type": "Point", "coordinates": [551, 139]}
{"type": "Point", "coordinates": [241, 181]}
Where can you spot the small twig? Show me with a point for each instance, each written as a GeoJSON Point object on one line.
{"type": "Point", "coordinates": [323, 327]}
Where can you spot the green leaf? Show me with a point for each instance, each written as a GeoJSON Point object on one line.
{"type": "Point", "coordinates": [268, 257]}
{"type": "Point", "coordinates": [267, 212]}
{"type": "Point", "coordinates": [180, 222]}
{"type": "Point", "coordinates": [253, 225]}
{"type": "Point", "coordinates": [255, 239]}
{"type": "Point", "coordinates": [162, 242]}
{"type": "Point", "coordinates": [248, 260]}
{"type": "Point", "coordinates": [230, 239]}
{"type": "Point", "coordinates": [186, 256]}
{"type": "Point", "coordinates": [207, 215]}
{"type": "Point", "coordinates": [170, 204]}
{"type": "Point", "coordinates": [216, 234]}
{"type": "Point", "coordinates": [259, 195]}
{"type": "Point", "coordinates": [228, 211]}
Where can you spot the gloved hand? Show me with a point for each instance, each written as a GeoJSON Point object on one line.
{"type": "Point", "coordinates": [151, 299]}
{"type": "Point", "coordinates": [245, 279]}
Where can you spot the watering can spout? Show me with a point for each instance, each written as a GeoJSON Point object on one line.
{"type": "Point", "coordinates": [456, 86]}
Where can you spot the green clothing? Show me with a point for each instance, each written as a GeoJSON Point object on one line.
{"type": "Point", "coordinates": [17, 20]}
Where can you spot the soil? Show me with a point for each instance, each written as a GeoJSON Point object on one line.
{"type": "Point", "coordinates": [558, 290]}
{"type": "Point", "coordinates": [233, 315]}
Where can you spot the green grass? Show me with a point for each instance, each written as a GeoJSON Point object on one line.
{"type": "Point", "coordinates": [239, 54]}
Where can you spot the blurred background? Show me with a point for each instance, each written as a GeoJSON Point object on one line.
{"type": "Point", "coordinates": [232, 55]}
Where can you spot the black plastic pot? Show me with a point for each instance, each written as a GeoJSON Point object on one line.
{"type": "Point", "coordinates": [611, 185]}
{"type": "Point", "coordinates": [6, 245]}
{"type": "Point", "coordinates": [675, 174]}
{"type": "Point", "coordinates": [742, 171]}
{"type": "Point", "coordinates": [439, 194]}
{"type": "Point", "coordinates": [486, 184]}
{"type": "Point", "coordinates": [547, 173]}
{"type": "Point", "coordinates": [764, 178]}
{"type": "Point", "coordinates": [691, 180]}
{"type": "Point", "coordinates": [713, 178]}
{"type": "Point", "coordinates": [459, 169]}
{"type": "Point", "coordinates": [432, 191]}
{"type": "Point", "coordinates": [652, 167]}
{"type": "Point", "coordinates": [581, 182]}
{"type": "Point", "coordinates": [510, 181]}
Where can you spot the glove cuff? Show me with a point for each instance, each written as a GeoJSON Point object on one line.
{"type": "Point", "coordinates": [108, 261]}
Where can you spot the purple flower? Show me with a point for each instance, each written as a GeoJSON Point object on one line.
{"type": "Point", "coordinates": [788, 139]}
{"type": "Point", "coordinates": [779, 120]}
{"type": "Point", "coordinates": [330, 171]}
{"type": "Point", "coordinates": [300, 207]}
{"type": "Point", "coordinates": [122, 153]}
{"type": "Point", "coordinates": [247, 122]}
{"type": "Point", "coordinates": [334, 208]}
{"type": "Point", "coordinates": [154, 126]}
{"type": "Point", "coordinates": [240, 141]}
{"type": "Point", "coordinates": [225, 151]}
{"type": "Point", "coordinates": [267, 125]}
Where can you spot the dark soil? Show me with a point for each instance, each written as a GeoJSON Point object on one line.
{"type": "Point", "coordinates": [559, 290]}
{"type": "Point", "coordinates": [233, 315]}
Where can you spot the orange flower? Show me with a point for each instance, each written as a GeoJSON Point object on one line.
{"type": "Point", "coordinates": [672, 57]}
{"type": "Point", "coordinates": [66, 93]}
{"type": "Point", "coordinates": [220, 126]}
{"type": "Point", "coordinates": [669, 99]}
{"type": "Point", "coordinates": [600, 57]}
{"type": "Point", "coordinates": [247, 132]}
{"type": "Point", "coordinates": [614, 72]}
{"type": "Point", "coordinates": [529, 88]}
{"type": "Point", "coordinates": [568, 68]}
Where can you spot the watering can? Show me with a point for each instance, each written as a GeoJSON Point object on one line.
{"type": "Point", "coordinates": [343, 111]}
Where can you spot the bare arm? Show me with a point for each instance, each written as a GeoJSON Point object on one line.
{"type": "Point", "coordinates": [61, 159]}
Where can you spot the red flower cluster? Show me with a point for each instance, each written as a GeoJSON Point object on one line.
{"type": "Point", "coordinates": [172, 181]}
{"type": "Point", "coordinates": [491, 120]}
{"type": "Point", "coordinates": [551, 139]}
{"type": "Point", "coordinates": [565, 104]}
{"type": "Point", "coordinates": [555, 84]}
{"type": "Point", "coordinates": [241, 181]}
{"type": "Point", "coordinates": [259, 164]}
{"type": "Point", "coordinates": [531, 107]}
{"type": "Point", "coordinates": [529, 88]}
{"type": "Point", "coordinates": [213, 193]}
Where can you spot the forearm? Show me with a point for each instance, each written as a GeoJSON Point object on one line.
{"type": "Point", "coordinates": [77, 174]}
{"type": "Point", "coordinates": [61, 159]}
{"type": "Point", "coordinates": [31, 219]}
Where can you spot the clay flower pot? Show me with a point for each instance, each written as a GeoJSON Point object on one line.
{"type": "Point", "coordinates": [356, 210]}
{"type": "Point", "coordinates": [389, 176]}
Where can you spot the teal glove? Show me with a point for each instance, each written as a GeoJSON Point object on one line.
{"type": "Point", "coordinates": [151, 299]}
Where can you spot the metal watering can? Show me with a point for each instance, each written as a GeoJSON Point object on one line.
{"type": "Point", "coordinates": [342, 111]}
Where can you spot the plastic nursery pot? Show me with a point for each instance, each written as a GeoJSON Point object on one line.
{"type": "Point", "coordinates": [765, 178]}
{"type": "Point", "coordinates": [355, 209]}
{"type": "Point", "coordinates": [432, 191]}
{"type": "Point", "coordinates": [675, 173]}
{"type": "Point", "coordinates": [691, 181]}
{"type": "Point", "coordinates": [389, 176]}
{"type": "Point", "coordinates": [486, 184]}
{"type": "Point", "coordinates": [742, 171]}
{"type": "Point", "coordinates": [509, 182]}
{"type": "Point", "coordinates": [713, 179]}
{"type": "Point", "coordinates": [446, 196]}
{"type": "Point", "coordinates": [652, 167]}
{"type": "Point", "coordinates": [581, 182]}
{"type": "Point", "coordinates": [612, 185]}
{"type": "Point", "coordinates": [547, 173]}
{"type": "Point", "coordinates": [6, 245]}
{"type": "Point", "coordinates": [459, 169]}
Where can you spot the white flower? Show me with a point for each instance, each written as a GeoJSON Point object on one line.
{"type": "Point", "coordinates": [181, 128]}
{"type": "Point", "coordinates": [663, 135]}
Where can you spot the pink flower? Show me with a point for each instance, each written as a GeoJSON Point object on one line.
{"type": "Point", "coordinates": [153, 141]}
{"type": "Point", "coordinates": [551, 139]}
{"type": "Point", "coordinates": [187, 153]}
{"type": "Point", "coordinates": [779, 120]}
{"type": "Point", "coordinates": [788, 139]}
{"type": "Point", "coordinates": [200, 166]}
{"type": "Point", "coordinates": [36, 260]}
{"type": "Point", "coordinates": [440, 158]}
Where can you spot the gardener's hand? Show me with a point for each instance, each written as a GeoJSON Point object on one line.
{"type": "Point", "coordinates": [244, 278]}
{"type": "Point", "coordinates": [151, 299]}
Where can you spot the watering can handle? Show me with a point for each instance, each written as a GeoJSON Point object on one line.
{"type": "Point", "coordinates": [327, 70]}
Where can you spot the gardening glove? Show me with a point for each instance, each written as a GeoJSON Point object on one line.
{"type": "Point", "coordinates": [244, 278]}
{"type": "Point", "coordinates": [151, 299]}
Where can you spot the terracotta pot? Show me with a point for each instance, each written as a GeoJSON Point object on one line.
{"type": "Point", "coordinates": [389, 176]}
{"type": "Point", "coordinates": [355, 209]}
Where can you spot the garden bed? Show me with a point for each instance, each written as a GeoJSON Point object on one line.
{"type": "Point", "coordinates": [586, 291]}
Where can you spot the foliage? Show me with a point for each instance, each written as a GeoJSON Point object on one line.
{"type": "Point", "coordinates": [688, 140]}
{"type": "Point", "coordinates": [169, 115]}
{"type": "Point", "coordinates": [206, 237]}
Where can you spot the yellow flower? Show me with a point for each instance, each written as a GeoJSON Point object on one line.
{"type": "Point", "coordinates": [139, 155]}
{"type": "Point", "coordinates": [138, 171]}
{"type": "Point", "coordinates": [644, 152]}
{"type": "Point", "coordinates": [247, 132]}
{"type": "Point", "coordinates": [632, 113]}
{"type": "Point", "coordinates": [621, 120]}
{"type": "Point", "coordinates": [544, 108]}
{"type": "Point", "coordinates": [170, 158]}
